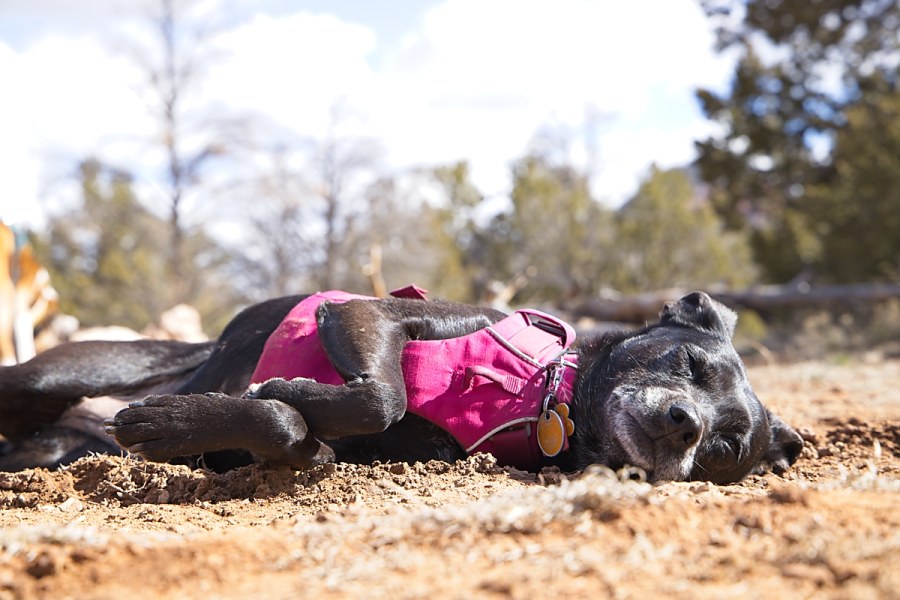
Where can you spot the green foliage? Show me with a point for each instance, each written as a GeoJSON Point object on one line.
{"type": "Point", "coordinates": [455, 234]}
{"type": "Point", "coordinates": [105, 257]}
{"type": "Point", "coordinates": [568, 245]}
{"type": "Point", "coordinates": [759, 169]}
{"type": "Point", "coordinates": [858, 216]}
{"type": "Point", "coordinates": [435, 244]}
{"type": "Point", "coordinates": [555, 231]}
{"type": "Point", "coordinates": [392, 242]}
{"type": "Point", "coordinates": [669, 237]}
{"type": "Point", "coordinates": [108, 257]}
{"type": "Point", "coordinates": [822, 60]}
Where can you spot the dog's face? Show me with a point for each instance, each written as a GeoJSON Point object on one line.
{"type": "Point", "coordinates": [674, 399]}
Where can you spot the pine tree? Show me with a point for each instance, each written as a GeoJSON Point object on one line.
{"type": "Point", "coordinates": [804, 69]}
{"type": "Point", "coordinates": [669, 236]}
{"type": "Point", "coordinates": [107, 258]}
{"type": "Point", "coordinates": [555, 231]}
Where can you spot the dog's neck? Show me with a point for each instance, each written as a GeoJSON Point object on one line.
{"type": "Point", "coordinates": [555, 425]}
{"type": "Point", "coordinates": [592, 355]}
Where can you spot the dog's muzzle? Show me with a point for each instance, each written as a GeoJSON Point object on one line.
{"type": "Point", "coordinates": [658, 430]}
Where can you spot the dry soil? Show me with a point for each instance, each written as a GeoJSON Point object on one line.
{"type": "Point", "coordinates": [114, 527]}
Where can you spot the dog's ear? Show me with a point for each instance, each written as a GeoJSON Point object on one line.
{"type": "Point", "coordinates": [785, 444]}
{"type": "Point", "coordinates": [697, 309]}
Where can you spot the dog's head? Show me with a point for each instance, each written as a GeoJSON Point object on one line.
{"type": "Point", "coordinates": [674, 399]}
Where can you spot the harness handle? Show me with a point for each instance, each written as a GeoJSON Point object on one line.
{"type": "Point", "coordinates": [411, 291]}
{"type": "Point", "coordinates": [551, 324]}
{"type": "Point", "coordinates": [535, 334]}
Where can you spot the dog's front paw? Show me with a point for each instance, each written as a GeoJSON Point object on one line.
{"type": "Point", "coordinates": [158, 428]}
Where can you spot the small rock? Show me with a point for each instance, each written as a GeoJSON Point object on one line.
{"type": "Point", "coordinates": [818, 574]}
{"type": "Point", "coordinates": [73, 504]}
{"type": "Point", "coordinates": [808, 435]}
{"type": "Point", "coordinates": [700, 488]}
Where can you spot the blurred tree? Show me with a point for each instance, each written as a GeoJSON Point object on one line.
{"type": "Point", "coordinates": [858, 216]}
{"type": "Point", "coordinates": [801, 66]}
{"type": "Point", "coordinates": [394, 244]}
{"type": "Point", "coordinates": [668, 236]}
{"type": "Point", "coordinates": [555, 231]}
{"type": "Point", "coordinates": [173, 61]}
{"type": "Point", "coordinates": [276, 245]}
{"type": "Point", "coordinates": [343, 167]}
{"type": "Point", "coordinates": [406, 239]}
{"type": "Point", "coordinates": [106, 257]}
{"type": "Point", "coordinates": [461, 242]}
{"type": "Point", "coordinates": [108, 261]}
{"type": "Point", "coordinates": [307, 212]}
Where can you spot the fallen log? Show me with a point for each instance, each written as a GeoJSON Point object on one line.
{"type": "Point", "coordinates": [639, 308]}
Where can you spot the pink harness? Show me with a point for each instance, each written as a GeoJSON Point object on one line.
{"type": "Point", "coordinates": [504, 389]}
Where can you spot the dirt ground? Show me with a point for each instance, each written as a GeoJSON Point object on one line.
{"type": "Point", "coordinates": [109, 527]}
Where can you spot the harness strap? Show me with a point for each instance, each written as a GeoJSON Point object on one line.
{"type": "Point", "coordinates": [512, 384]}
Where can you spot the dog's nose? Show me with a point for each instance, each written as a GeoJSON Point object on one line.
{"type": "Point", "coordinates": [684, 425]}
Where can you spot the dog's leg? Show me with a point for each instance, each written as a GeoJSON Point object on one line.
{"type": "Point", "coordinates": [163, 427]}
{"type": "Point", "coordinates": [34, 394]}
{"type": "Point", "coordinates": [51, 447]}
{"type": "Point", "coordinates": [364, 341]}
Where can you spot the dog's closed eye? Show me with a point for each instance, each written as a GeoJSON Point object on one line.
{"type": "Point", "coordinates": [690, 366]}
{"type": "Point", "coordinates": [724, 448]}
{"type": "Point", "coordinates": [734, 446]}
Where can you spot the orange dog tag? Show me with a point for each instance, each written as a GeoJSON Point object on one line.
{"type": "Point", "coordinates": [551, 432]}
{"type": "Point", "coordinates": [563, 410]}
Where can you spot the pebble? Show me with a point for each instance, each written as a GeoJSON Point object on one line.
{"type": "Point", "coordinates": [73, 504]}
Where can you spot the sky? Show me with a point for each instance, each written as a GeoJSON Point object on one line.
{"type": "Point", "coordinates": [433, 81]}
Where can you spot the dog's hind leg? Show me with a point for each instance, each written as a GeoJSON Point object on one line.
{"type": "Point", "coordinates": [282, 421]}
{"type": "Point", "coordinates": [34, 394]}
{"type": "Point", "coordinates": [51, 447]}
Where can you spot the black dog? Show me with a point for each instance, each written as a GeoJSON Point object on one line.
{"type": "Point", "coordinates": [672, 398]}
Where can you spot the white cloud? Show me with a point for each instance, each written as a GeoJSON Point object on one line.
{"type": "Point", "coordinates": [474, 81]}
{"type": "Point", "coordinates": [479, 78]}
{"type": "Point", "coordinates": [292, 69]}
{"type": "Point", "coordinates": [69, 99]}
{"type": "Point", "coordinates": [624, 157]}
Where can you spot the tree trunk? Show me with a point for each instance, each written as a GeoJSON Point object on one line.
{"type": "Point", "coordinates": [640, 308]}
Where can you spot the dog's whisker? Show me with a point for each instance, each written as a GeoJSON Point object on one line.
{"type": "Point", "coordinates": [700, 467]}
